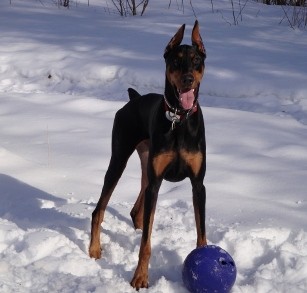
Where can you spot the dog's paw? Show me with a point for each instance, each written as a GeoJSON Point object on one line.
{"type": "Point", "coordinates": [140, 280]}
{"type": "Point", "coordinates": [95, 251]}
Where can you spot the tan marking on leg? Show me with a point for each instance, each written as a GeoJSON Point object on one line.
{"type": "Point", "coordinates": [161, 161]}
{"type": "Point", "coordinates": [201, 239]}
{"type": "Point", "coordinates": [193, 160]}
{"type": "Point", "coordinates": [97, 218]}
{"type": "Point", "coordinates": [140, 278]}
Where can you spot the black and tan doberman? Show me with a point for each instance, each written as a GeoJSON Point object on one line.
{"type": "Point", "coordinates": [169, 135]}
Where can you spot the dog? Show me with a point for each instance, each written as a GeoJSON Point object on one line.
{"type": "Point", "coordinates": [168, 133]}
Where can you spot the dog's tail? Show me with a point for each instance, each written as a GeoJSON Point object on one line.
{"type": "Point", "coordinates": [133, 93]}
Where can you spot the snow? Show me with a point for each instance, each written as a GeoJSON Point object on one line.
{"type": "Point", "coordinates": [63, 75]}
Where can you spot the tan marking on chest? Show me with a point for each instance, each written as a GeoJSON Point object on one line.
{"type": "Point", "coordinates": [193, 160]}
{"type": "Point", "coordinates": [161, 161]}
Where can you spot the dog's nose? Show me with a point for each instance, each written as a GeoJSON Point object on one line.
{"type": "Point", "coordinates": [187, 80]}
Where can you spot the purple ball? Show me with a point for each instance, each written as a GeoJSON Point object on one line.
{"type": "Point", "coordinates": [209, 269]}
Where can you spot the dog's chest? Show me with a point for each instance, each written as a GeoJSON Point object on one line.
{"type": "Point", "coordinates": [175, 165]}
{"type": "Point", "coordinates": [180, 152]}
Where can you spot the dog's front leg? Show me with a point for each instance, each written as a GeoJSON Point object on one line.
{"type": "Point", "coordinates": [199, 203]}
{"type": "Point", "coordinates": [140, 279]}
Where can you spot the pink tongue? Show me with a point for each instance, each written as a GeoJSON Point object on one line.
{"type": "Point", "coordinates": [187, 99]}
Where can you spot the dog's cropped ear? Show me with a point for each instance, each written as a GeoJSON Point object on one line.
{"type": "Point", "coordinates": [175, 41]}
{"type": "Point", "coordinates": [196, 39]}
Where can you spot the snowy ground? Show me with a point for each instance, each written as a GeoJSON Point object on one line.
{"type": "Point", "coordinates": [63, 75]}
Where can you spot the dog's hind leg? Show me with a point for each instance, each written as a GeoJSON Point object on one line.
{"type": "Point", "coordinates": [123, 146]}
{"type": "Point", "coordinates": [138, 208]}
{"type": "Point", "coordinates": [112, 176]}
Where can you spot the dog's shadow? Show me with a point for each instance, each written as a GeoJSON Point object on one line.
{"type": "Point", "coordinates": [31, 208]}
{"type": "Point", "coordinates": [165, 263]}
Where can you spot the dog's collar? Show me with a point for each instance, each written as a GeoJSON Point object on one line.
{"type": "Point", "coordinates": [178, 115]}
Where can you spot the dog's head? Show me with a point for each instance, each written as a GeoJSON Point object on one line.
{"type": "Point", "coordinates": [185, 66]}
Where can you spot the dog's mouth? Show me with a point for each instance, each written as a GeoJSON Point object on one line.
{"type": "Point", "coordinates": [186, 98]}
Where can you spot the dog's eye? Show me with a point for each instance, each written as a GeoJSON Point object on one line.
{"type": "Point", "coordinates": [176, 62]}
{"type": "Point", "coordinates": [196, 60]}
